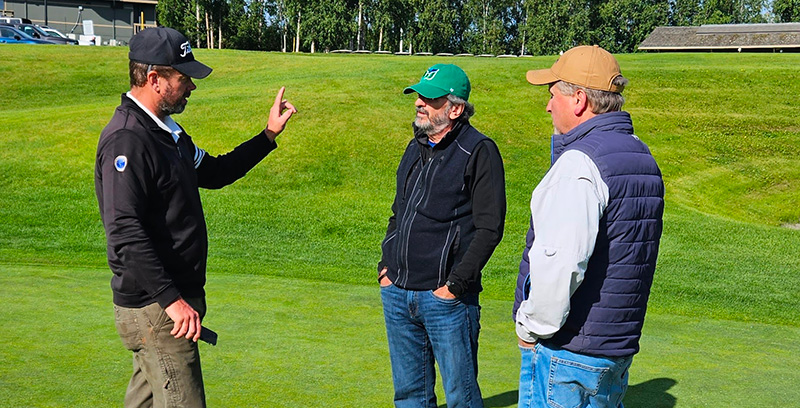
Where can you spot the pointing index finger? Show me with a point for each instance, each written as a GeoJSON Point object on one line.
{"type": "Point", "coordinates": [279, 97]}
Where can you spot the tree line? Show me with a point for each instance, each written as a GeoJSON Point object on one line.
{"type": "Point", "coordinates": [537, 27]}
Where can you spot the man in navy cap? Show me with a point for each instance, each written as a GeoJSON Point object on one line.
{"type": "Point", "coordinates": [147, 174]}
{"type": "Point", "coordinates": [447, 219]}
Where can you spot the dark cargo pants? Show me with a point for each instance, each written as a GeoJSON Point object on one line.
{"type": "Point", "coordinates": [166, 370]}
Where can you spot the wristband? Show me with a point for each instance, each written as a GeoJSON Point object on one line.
{"type": "Point", "coordinates": [454, 288]}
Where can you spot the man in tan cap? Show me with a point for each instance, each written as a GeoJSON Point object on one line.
{"type": "Point", "coordinates": [596, 221]}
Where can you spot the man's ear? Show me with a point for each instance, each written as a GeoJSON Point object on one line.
{"type": "Point", "coordinates": [581, 102]}
{"type": "Point", "coordinates": [456, 111]}
{"type": "Point", "coordinates": [152, 81]}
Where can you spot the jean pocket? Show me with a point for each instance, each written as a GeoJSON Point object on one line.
{"type": "Point", "coordinates": [572, 384]}
{"type": "Point", "coordinates": [453, 301]}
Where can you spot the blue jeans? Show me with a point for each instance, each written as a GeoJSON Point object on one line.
{"type": "Point", "coordinates": [557, 378]}
{"type": "Point", "coordinates": [422, 327]}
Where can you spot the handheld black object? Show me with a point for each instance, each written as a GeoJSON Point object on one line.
{"type": "Point", "coordinates": [209, 336]}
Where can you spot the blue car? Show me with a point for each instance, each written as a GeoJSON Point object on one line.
{"type": "Point", "coordinates": [37, 33]}
{"type": "Point", "coordinates": [10, 35]}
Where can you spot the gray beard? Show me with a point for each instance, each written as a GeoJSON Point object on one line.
{"type": "Point", "coordinates": [434, 125]}
{"type": "Point", "coordinates": [170, 109]}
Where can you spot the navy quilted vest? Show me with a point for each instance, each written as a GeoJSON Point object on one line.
{"type": "Point", "coordinates": [607, 310]}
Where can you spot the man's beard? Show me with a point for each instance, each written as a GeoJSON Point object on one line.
{"type": "Point", "coordinates": [434, 124]}
{"type": "Point", "coordinates": [168, 108]}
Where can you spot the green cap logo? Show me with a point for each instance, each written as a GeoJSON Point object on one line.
{"type": "Point", "coordinates": [430, 74]}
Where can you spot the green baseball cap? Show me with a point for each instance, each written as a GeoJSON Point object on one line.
{"type": "Point", "coordinates": [440, 80]}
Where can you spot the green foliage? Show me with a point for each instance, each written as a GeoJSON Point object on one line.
{"type": "Point", "coordinates": [491, 26]}
{"type": "Point", "coordinates": [438, 26]}
{"type": "Point", "coordinates": [324, 21]}
{"type": "Point", "coordinates": [684, 12]}
{"type": "Point", "coordinates": [180, 15]}
{"type": "Point", "coordinates": [786, 10]}
{"type": "Point", "coordinates": [626, 23]}
{"type": "Point", "coordinates": [692, 12]}
{"type": "Point", "coordinates": [537, 27]}
{"type": "Point", "coordinates": [252, 32]}
{"type": "Point", "coordinates": [554, 26]}
{"type": "Point", "coordinates": [387, 21]}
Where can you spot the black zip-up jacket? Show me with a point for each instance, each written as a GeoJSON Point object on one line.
{"type": "Point", "coordinates": [147, 190]}
{"type": "Point", "coordinates": [448, 212]}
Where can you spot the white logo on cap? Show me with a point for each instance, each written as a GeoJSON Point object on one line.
{"type": "Point", "coordinates": [430, 74]}
{"type": "Point", "coordinates": [120, 163]}
{"type": "Point", "coordinates": [187, 49]}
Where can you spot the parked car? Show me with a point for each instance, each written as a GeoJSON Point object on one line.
{"type": "Point", "coordinates": [52, 32]}
{"type": "Point", "coordinates": [39, 34]}
{"type": "Point", "coordinates": [11, 20]}
{"type": "Point", "coordinates": [11, 35]}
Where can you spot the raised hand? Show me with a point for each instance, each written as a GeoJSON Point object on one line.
{"type": "Point", "coordinates": [279, 114]}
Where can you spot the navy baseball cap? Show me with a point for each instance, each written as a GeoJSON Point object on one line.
{"type": "Point", "coordinates": [166, 46]}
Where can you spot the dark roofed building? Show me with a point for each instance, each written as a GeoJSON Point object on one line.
{"type": "Point", "coordinates": [725, 37]}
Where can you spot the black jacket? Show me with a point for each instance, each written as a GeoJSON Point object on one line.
{"type": "Point", "coordinates": [147, 190]}
{"type": "Point", "coordinates": [448, 212]}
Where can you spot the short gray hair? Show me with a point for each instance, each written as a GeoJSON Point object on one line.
{"type": "Point", "coordinates": [599, 101]}
{"type": "Point", "coordinates": [469, 109]}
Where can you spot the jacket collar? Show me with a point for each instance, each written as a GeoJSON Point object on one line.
{"type": "Point", "coordinates": [612, 121]}
{"type": "Point", "coordinates": [458, 128]}
{"type": "Point", "coordinates": [148, 119]}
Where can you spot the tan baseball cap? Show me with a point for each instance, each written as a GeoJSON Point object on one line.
{"type": "Point", "coordinates": [587, 65]}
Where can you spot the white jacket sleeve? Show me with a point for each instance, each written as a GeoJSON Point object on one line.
{"type": "Point", "coordinates": [566, 207]}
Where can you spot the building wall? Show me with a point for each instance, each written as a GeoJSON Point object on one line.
{"type": "Point", "coordinates": [111, 19]}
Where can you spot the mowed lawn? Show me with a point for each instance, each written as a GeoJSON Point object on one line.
{"type": "Point", "coordinates": [294, 245]}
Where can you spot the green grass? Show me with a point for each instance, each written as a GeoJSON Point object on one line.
{"type": "Point", "coordinates": [287, 342]}
{"type": "Point", "coordinates": [296, 241]}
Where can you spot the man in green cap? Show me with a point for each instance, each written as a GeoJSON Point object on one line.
{"type": "Point", "coordinates": [447, 219]}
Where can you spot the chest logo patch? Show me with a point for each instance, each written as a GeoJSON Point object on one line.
{"type": "Point", "coordinates": [120, 163]}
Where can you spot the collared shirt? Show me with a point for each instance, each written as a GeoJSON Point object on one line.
{"type": "Point", "coordinates": [170, 126]}
{"type": "Point", "coordinates": [566, 207]}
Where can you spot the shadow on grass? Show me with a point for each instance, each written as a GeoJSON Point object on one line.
{"type": "Point", "coordinates": [506, 399]}
{"type": "Point", "coordinates": [651, 394]}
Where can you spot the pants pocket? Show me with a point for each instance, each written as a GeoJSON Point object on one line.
{"type": "Point", "coordinates": [572, 384]}
{"type": "Point", "coordinates": [157, 319]}
{"type": "Point", "coordinates": [127, 324]}
{"type": "Point", "coordinates": [450, 302]}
